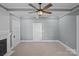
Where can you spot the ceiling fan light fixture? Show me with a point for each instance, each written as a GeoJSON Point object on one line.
{"type": "Point", "coordinates": [40, 13]}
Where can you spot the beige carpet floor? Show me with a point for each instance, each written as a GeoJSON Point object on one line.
{"type": "Point", "coordinates": [41, 49]}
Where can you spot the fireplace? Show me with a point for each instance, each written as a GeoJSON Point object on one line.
{"type": "Point", "coordinates": [3, 46]}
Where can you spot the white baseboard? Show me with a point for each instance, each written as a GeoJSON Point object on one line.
{"type": "Point", "coordinates": [9, 53]}
{"type": "Point", "coordinates": [67, 47]}
{"type": "Point", "coordinates": [39, 41]}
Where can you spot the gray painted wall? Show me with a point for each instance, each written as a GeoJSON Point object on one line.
{"type": "Point", "coordinates": [4, 20]}
{"type": "Point", "coordinates": [50, 29]}
{"type": "Point", "coordinates": [26, 29]}
{"type": "Point", "coordinates": [77, 35]}
{"type": "Point", "coordinates": [67, 26]}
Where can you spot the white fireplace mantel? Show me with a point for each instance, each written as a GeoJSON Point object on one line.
{"type": "Point", "coordinates": [4, 35]}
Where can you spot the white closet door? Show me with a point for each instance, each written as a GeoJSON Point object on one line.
{"type": "Point", "coordinates": [37, 31]}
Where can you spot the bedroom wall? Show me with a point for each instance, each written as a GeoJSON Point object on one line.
{"type": "Point", "coordinates": [67, 25]}
{"type": "Point", "coordinates": [77, 34]}
{"type": "Point", "coordinates": [26, 29]}
{"type": "Point", "coordinates": [4, 20]}
{"type": "Point", "coordinates": [50, 28]}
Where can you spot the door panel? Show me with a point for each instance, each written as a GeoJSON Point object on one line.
{"type": "Point", "coordinates": [37, 31]}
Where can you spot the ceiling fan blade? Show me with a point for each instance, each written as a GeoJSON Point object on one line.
{"type": "Point", "coordinates": [47, 6]}
{"type": "Point", "coordinates": [47, 12]}
{"type": "Point", "coordinates": [33, 6]}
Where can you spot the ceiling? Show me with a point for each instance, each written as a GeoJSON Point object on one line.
{"type": "Point", "coordinates": [23, 9]}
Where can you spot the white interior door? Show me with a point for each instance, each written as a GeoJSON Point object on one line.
{"type": "Point", "coordinates": [37, 31]}
{"type": "Point", "coordinates": [15, 33]}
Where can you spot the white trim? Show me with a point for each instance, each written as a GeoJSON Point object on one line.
{"type": "Point", "coordinates": [9, 53]}
{"type": "Point", "coordinates": [12, 48]}
{"type": "Point", "coordinates": [16, 45]}
{"type": "Point", "coordinates": [67, 47]}
{"type": "Point", "coordinates": [39, 41]}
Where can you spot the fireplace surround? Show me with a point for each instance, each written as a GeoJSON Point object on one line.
{"type": "Point", "coordinates": [3, 47]}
